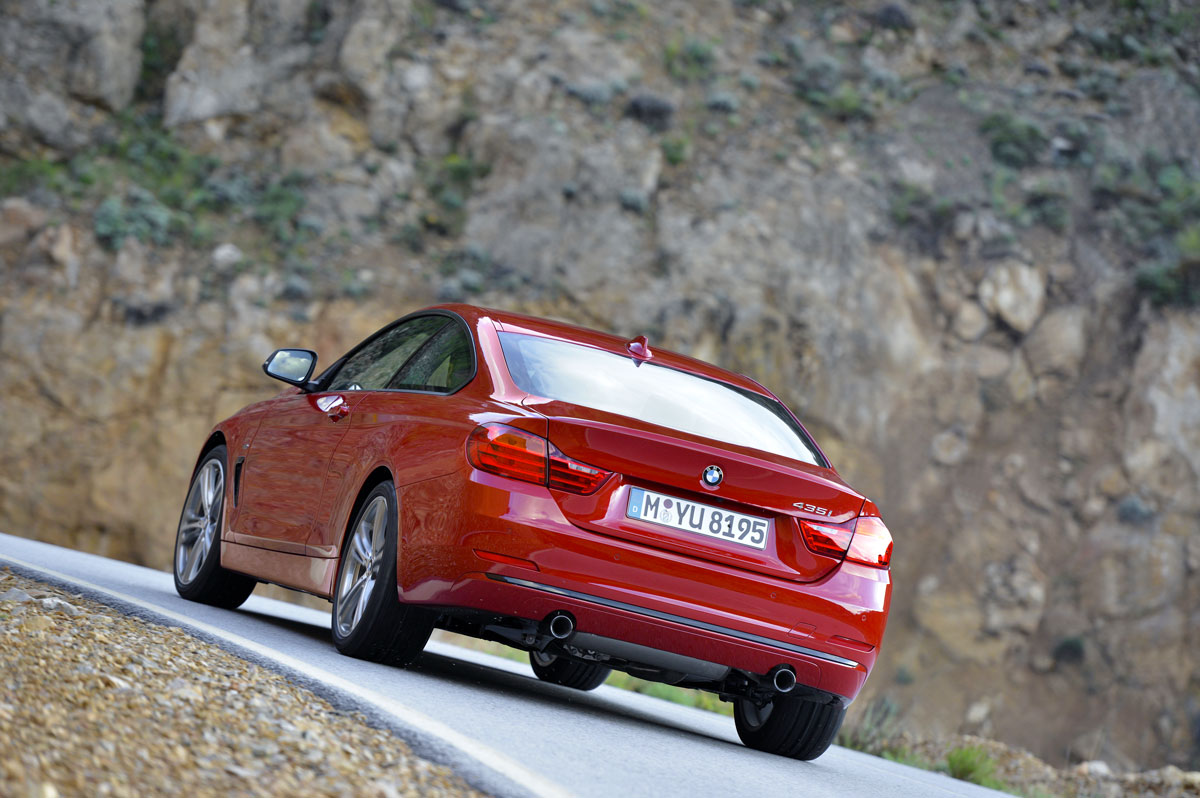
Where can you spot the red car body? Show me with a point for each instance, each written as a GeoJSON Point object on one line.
{"type": "Point", "coordinates": [488, 552]}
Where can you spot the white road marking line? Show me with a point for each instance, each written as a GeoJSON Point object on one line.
{"type": "Point", "coordinates": [537, 784]}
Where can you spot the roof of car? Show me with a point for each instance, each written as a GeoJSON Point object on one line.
{"type": "Point", "coordinates": [518, 322]}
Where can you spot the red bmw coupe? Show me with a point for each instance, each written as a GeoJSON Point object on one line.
{"type": "Point", "coordinates": [594, 501]}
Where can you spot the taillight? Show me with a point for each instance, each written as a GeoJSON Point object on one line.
{"type": "Point", "coordinates": [572, 475]}
{"type": "Point", "coordinates": [827, 539]}
{"type": "Point", "coordinates": [872, 542]}
{"type": "Point", "coordinates": [865, 540]}
{"type": "Point", "coordinates": [517, 454]}
{"type": "Point", "coordinates": [509, 452]}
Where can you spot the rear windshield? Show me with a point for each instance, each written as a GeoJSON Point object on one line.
{"type": "Point", "coordinates": [659, 395]}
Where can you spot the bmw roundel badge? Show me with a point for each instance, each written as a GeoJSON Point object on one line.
{"type": "Point", "coordinates": [713, 476]}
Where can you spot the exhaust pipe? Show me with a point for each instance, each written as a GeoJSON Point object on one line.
{"type": "Point", "coordinates": [783, 678]}
{"type": "Point", "coordinates": [561, 625]}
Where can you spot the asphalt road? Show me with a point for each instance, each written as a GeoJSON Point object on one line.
{"type": "Point", "coordinates": [489, 718]}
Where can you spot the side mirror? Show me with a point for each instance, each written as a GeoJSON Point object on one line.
{"type": "Point", "coordinates": [293, 366]}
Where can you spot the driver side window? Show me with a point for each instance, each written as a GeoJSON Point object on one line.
{"type": "Point", "coordinates": [372, 366]}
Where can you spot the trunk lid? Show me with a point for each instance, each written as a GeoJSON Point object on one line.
{"type": "Point", "coordinates": [670, 464]}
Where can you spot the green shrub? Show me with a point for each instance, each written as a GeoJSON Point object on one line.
{"type": "Point", "coordinates": [1170, 284]}
{"type": "Point", "coordinates": [277, 208]}
{"type": "Point", "coordinates": [463, 171]}
{"type": "Point", "coordinates": [907, 202]}
{"type": "Point", "coordinates": [1188, 243]}
{"type": "Point", "coordinates": [689, 59]}
{"type": "Point", "coordinates": [1080, 143]}
{"type": "Point", "coordinates": [1014, 142]}
{"type": "Point", "coordinates": [410, 237]}
{"type": "Point", "coordinates": [926, 219]}
{"type": "Point", "coordinates": [139, 215]}
{"type": "Point", "coordinates": [1049, 207]}
{"type": "Point", "coordinates": [817, 80]}
{"type": "Point", "coordinates": [22, 176]}
{"type": "Point", "coordinates": [847, 103]}
{"type": "Point", "coordinates": [1180, 196]}
{"type": "Point", "coordinates": [450, 182]}
{"type": "Point", "coordinates": [149, 156]}
{"type": "Point", "coordinates": [972, 763]}
{"type": "Point", "coordinates": [1153, 205]}
{"type": "Point", "coordinates": [676, 149]}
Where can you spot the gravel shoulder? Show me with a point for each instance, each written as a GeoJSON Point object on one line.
{"type": "Point", "coordinates": [95, 702]}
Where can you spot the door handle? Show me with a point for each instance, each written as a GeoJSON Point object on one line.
{"type": "Point", "coordinates": [334, 406]}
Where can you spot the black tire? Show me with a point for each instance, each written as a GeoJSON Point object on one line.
{"type": "Point", "coordinates": [788, 726]}
{"type": "Point", "coordinates": [197, 561]}
{"type": "Point", "coordinates": [568, 673]}
{"type": "Point", "coordinates": [372, 623]}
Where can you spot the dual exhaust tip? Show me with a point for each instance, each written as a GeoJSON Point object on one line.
{"type": "Point", "coordinates": [560, 625]}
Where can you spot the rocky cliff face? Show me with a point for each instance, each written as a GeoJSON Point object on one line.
{"type": "Point", "coordinates": [962, 239]}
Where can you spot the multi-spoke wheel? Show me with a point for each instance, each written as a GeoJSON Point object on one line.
{"type": "Point", "coordinates": [788, 725]}
{"type": "Point", "coordinates": [360, 571]}
{"type": "Point", "coordinates": [568, 673]}
{"type": "Point", "coordinates": [198, 572]}
{"type": "Point", "coordinates": [369, 621]}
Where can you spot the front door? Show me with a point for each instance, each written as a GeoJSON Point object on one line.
{"type": "Point", "coordinates": [283, 473]}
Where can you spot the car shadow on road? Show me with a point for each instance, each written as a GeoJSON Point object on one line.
{"type": "Point", "coordinates": [304, 628]}
{"type": "Point", "coordinates": [530, 689]}
{"type": "Point", "coordinates": [472, 675]}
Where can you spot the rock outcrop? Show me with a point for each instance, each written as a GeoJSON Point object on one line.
{"type": "Point", "coordinates": [961, 240]}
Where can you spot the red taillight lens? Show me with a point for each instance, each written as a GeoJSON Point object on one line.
{"type": "Point", "coordinates": [827, 539]}
{"type": "Point", "coordinates": [511, 452]}
{"type": "Point", "coordinates": [572, 475]}
{"type": "Point", "coordinates": [864, 540]}
{"type": "Point", "coordinates": [872, 543]}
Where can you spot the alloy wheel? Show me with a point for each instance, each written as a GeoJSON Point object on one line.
{"type": "Point", "coordinates": [364, 557]}
{"type": "Point", "coordinates": [201, 521]}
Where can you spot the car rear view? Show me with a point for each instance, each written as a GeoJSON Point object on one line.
{"type": "Point", "coordinates": [598, 503]}
{"type": "Point", "coordinates": [677, 523]}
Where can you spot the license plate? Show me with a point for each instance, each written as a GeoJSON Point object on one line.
{"type": "Point", "coordinates": [697, 518]}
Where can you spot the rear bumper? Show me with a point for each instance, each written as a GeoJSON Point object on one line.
{"type": "Point", "coordinates": [828, 631]}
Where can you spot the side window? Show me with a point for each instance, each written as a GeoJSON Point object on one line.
{"type": "Point", "coordinates": [372, 366]}
{"type": "Point", "coordinates": [445, 364]}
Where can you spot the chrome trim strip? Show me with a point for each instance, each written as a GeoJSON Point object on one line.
{"type": "Point", "coordinates": [664, 616]}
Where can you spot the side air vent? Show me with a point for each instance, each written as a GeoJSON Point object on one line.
{"type": "Point", "coordinates": [237, 480]}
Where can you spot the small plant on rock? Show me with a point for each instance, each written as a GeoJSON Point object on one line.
{"type": "Point", "coordinates": [279, 205]}
{"type": "Point", "coordinates": [847, 103]}
{"type": "Point", "coordinates": [1014, 142]}
{"type": "Point", "coordinates": [450, 182]}
{"type": "Point", "coordinates": [139, 214]}
{"type": "Point", "coordinates": [1188, 243]}
{"type": "Point", "coordinates": [1049, 207]}
{"type": "Point", "coordinates": [691, 59]}
{"type": "Point", "coordinates": [676, 149]}
{"type": "Point", "coordinates": [974, 764]}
